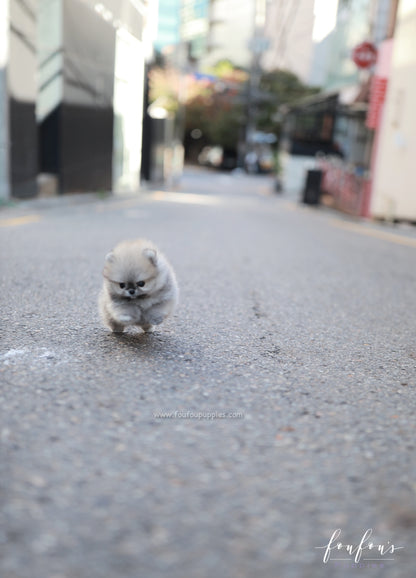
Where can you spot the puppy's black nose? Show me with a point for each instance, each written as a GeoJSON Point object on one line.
{"type": "Point", "coordinates": [131, 291]}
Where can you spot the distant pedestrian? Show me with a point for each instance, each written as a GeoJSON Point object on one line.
{"type": "Point", "coordinates": [252, 162]}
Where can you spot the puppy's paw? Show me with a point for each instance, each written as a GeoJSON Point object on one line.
{"type": "Point", "coordinates": [116, 327]}
{"type": "Point", "coordinates": [147, 328]}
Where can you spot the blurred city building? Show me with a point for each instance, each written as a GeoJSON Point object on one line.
{"type": "Point", "coordinates": [289, 29]}
{"type": "Point", "coordinates": [163, 123]}
{"type": "Point", "coordinates": [360, 125]}
{"type": "Point", "coordinates": [162, 158]}
{"type": "Point", "coordinates": [218, 30]}
{"type": "Point", "coordinates": [393, 196]}
{"type": "Point", "coordinates": [341, 125]}
{"type": "Point", "coordinates": [231, 26]}
{"type": "Point", "coordinates": [71, 93]}
{"type": "Point", "coordinates": [225, 40]}
{"type": "Point", "coordinates": [4, 109]}
{"type": "Point", "coordinates": [169, 24]}
{"type": "Point", "coordinates": [18, 63]}
{"type": "Point", "coordinates": [195, 23]}
{"type": "Point", "coordinates": [76, 114]}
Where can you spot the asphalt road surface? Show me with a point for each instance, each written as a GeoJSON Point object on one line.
{"type": "Point", "coordinates": [275, 407]}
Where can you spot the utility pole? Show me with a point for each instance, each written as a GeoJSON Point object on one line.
{"type": "Point", "coordinates": [258, 44]}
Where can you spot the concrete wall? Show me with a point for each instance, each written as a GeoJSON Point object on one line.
{"type": "Point", "coordinates": [78, 106]}
{"type": "Point", "coordinates": [21, 87]}
{"type": "Point", "coordinates": [232, 27]}
{"type": "Point", "coordinates": [289, 27]}
{"type": "Point", "coordinates": [394, 195]}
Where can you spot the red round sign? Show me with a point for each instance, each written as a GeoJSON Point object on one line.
{"type": "Point", "coordinates": [364, 55]}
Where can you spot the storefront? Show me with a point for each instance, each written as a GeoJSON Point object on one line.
{"type": "Point", "coordinates": [329, 132]}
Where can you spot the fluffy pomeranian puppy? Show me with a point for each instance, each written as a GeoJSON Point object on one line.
{"type": "Point", "coordinates": [139, 287]}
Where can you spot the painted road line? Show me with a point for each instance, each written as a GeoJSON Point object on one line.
{"type": "Point", "coordinates": [383, 235]}
{"type": "Point", "coordinates": [16, 221]}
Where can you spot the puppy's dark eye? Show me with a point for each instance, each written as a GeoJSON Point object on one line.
{"type": "Point", "coordinates": [141, 284]}
{"type": "Point", "coordinates": [122, 285]}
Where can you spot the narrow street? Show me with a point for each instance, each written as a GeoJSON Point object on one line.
{"type": "Point", "coordinates": [276, 406]}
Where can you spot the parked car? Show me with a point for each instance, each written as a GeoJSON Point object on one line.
{"type": "Point", "coordinates": [218, 157]}
{"type": "Point", "coordinates": [259, 159]}
{"type": "Point", "coordinates": [211, 156]}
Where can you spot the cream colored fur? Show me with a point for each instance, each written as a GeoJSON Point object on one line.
{"type": "Point", "coordinates": [139, 287]}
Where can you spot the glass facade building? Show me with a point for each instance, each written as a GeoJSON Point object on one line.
{"type": "Point", "coordinates": [169, 24]}
{"type": "Point", "coordinates": [195, 24]}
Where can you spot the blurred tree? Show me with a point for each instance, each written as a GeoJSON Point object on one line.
{"type": "Point", "coordinates": [278, 87]}
{"type": "Point", "coordinates": [164, 86]}
{"type": "Point", "coordinates": [215, 107]}
{"type": "Point", "coordinates": [227, 71]}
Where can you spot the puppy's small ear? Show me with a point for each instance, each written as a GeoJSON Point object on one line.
{"type": "Point", "coordinates": [151, 254]}
{"type": "Point", "coordinates": [109, 257]}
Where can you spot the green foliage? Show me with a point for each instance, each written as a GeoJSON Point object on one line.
{"type": "Point", "coordinates": [218, 108]}
{"type": "Point", "coordinates": [225, 69]}
{"type": "Point", "coordinates": [222, 69]}
{"type": "Point", "coordinates": [225, 127]}
{"type": "Point", "coordinates": [164, 87]}
{"type": "Point", "coordinates": [279, 87]}
{"type": "Point", "coordinates": [285, 86]}
{"type": "Point", "coordinates": [215, 108]}
{"type": "Point", "coordinates": [220, 124]}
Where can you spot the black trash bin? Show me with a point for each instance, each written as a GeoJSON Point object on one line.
{"type": "Point", "coordinates": [312, 190]}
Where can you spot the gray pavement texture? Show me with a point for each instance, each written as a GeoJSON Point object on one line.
{"type": "Point", "coordinates": [299, 319]}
